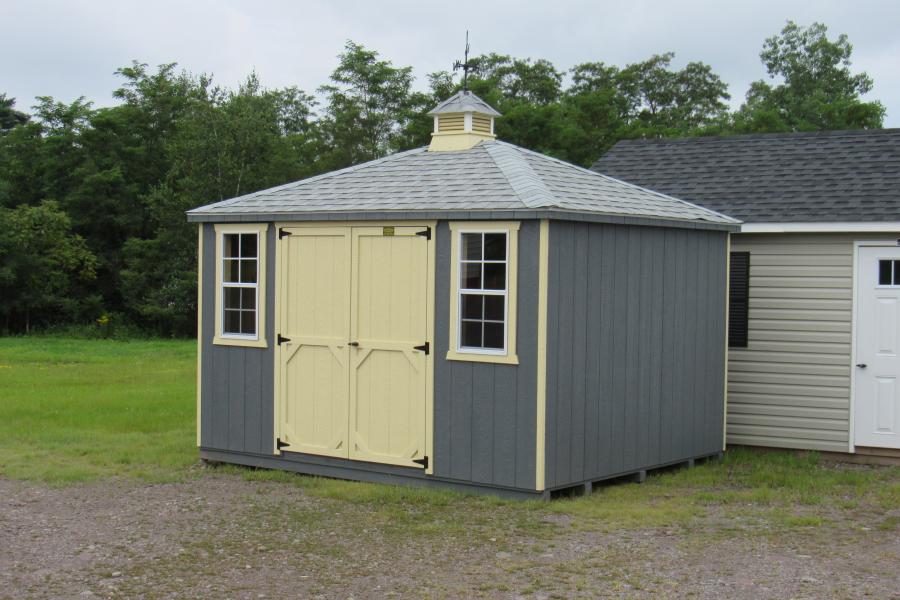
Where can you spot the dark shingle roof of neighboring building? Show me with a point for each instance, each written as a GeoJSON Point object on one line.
{"type": "Point", "coordinates": [833, 176]}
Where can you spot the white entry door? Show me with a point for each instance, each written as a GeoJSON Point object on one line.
{"type": "Point", "coordinates": [876, 390]}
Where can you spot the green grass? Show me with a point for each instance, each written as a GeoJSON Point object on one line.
{"type": "Point", "coordinates": [75, 410]}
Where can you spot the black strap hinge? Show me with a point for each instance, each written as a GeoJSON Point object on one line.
{"type": "Point", "coordinates": [281, 339]}
{"type": "Point", "coordinates": [425, 234]}
{"type": "Point", "coordinates": [280, 444]}
{"type": "Point", "coordinates": [426, 348]}
{"type": "Point", "coordinates": [283, 232]}
{"type": "Point", "coordinates": [422, 461]}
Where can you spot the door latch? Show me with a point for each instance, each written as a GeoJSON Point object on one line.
{"type": "Point", "coordinates": [354, 344]}
{"type": "Point", "coordinates": [861, 365]}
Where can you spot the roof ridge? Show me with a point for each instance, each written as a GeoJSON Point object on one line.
{"type": "Point", "coordinates": [314, 178]}
{"type": "Point", "coordinates": [759, 136]}
{"type": "Point", "coordinates": [525, 182]}
{"type": "Point", "coordinates": [619, 181]}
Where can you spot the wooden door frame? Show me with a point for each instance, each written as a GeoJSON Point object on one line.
{"type": "Point", "coordinates": [429, 319]}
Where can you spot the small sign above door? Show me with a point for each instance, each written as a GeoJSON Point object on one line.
{"type": "Point", "coordinates": [387, 231]}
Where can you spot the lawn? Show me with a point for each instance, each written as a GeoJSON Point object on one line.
{"type": "Point", "coordinates": [76, 410]}
{"type": "Point", "coordinates": [98, 461]}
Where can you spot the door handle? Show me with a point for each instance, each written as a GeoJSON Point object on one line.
{"type": "Point", "coordinates": [861, 365]}
{"type": "Point", "coordinates": [354, 344]}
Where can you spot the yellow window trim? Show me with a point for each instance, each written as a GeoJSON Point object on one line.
{"type": "Point", "coordinates": [260, 341]}
{"type": "Point", "coordinates": [511, 228]}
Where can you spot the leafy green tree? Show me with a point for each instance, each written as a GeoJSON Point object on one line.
{"type": "Point", "coordinates": [228, 143]}
{"type": "Point", "coordinates": [818, 89]}
{"type": "Point", "coordinates": [9, 116]}
{"type": "Point", "coordinates": [41, 263]}
{"type": "Point", "coordinates": [368, 109]}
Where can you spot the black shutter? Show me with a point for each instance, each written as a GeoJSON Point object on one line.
{"type": "Point", "coordinates": [738, 299]}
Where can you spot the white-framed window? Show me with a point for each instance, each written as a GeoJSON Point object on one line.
{"type": "Point", "coordinates": [240, 285]}
{"type": "Point", "coordinates": [483, 302]}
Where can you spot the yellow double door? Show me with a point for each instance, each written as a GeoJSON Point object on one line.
{"type": "Point", "coordinates": [352, 352]}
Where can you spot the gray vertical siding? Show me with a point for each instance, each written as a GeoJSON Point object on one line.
{"type": "Point", "coordinates": [237, 384]}
{"type": "Point", "coordinates": [485, 414]}
{"type": "Point", "coordinates": [636, 348]}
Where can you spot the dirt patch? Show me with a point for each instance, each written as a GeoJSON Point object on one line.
{"type": "Point", "coordinates": [219, 536]}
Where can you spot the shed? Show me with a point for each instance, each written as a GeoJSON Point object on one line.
{"type": "Point", "coordinates": [814, 359]}
{"type": "Point", "coordinates": [469, 314]}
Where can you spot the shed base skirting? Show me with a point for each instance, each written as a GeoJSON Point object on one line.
{"type": "Point", "coordinates": [339, 468]}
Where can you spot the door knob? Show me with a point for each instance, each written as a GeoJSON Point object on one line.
{"type": "Point", "coordinates": [861, 365]}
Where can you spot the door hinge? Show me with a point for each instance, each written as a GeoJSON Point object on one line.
{"type": "Point", "coordinates": [281, 339]}
{"type": "Point", "coordinates": [283, 232]}
{"type": "Point", "coordinates": [279, 444]}
{"type": "Point", "coordinates": [426, 348]}
{"type": "Point", "coordinates": [425, 234]}
{"type": "Point", "coordinates": [422, 461]}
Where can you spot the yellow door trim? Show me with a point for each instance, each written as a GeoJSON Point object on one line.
{"type": "Point", "coordinates": [199, 319]}
{"type": "Point", "coordinates": [541, 428]}
{"type": "Point", "coordinates": [281, 277]}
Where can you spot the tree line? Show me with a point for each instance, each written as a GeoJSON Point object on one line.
{"type": "Point", "coordinates": [92, 200]}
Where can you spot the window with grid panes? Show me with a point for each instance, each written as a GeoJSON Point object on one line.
{"type": "Point", "coordinates": [483, 264]}
{"type": "Point", "coordinates": [240, 284]}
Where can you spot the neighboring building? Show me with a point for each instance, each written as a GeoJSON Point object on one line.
{"type": "Point", "coordinates": [470, 314]}
{"type": "Point", "coordinates": [814, 339]}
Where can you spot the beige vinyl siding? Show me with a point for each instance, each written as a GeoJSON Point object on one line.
{"type": "Point", "coordinates": [790, 387]}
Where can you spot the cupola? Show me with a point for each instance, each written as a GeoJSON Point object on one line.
{"type": "Point", "coordinates": [461, 121]}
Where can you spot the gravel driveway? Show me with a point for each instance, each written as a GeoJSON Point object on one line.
{"type": "Point", "coordinates": [218, 535]}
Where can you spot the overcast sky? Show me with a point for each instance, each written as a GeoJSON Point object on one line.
{"type": "Point", "coordinates": [67, 49]}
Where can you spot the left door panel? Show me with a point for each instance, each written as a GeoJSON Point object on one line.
{"type": "Point", "coordinates": [314, 301]}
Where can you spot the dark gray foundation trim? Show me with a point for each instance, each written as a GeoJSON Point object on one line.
{"type": "Point", "coordinates": [462, 215]}
{"type": "Point", "coordinates": [321, 466]}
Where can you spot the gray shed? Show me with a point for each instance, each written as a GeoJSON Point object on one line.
{"type": "Point", "coordinates": [469, 314]}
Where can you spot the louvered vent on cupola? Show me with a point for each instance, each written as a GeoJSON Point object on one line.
{"type": "Point", "coordinates": [462, 121]}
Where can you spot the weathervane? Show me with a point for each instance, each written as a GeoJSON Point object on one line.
{"type": "Point", "coordinates": [466, 66]}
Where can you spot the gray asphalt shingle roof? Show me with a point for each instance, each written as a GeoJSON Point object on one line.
{"type": "Point", "coordinates": [491, 176]}
{"type": "Point", "coordinates": [463, 101]}
{"type": "Point", "coordinates": [835, 176]}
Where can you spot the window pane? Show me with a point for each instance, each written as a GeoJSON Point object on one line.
{"type": "Point", "coordinates": [471, 276]}
{"type": "Point", "coordinates": [232, 322]}
{"type": "Point", "coordinates": [248, 245]}
{"type": "Point", "coordinates": [471, 246]}
{"type": "Point", "coordinates": [471, 306]}
{"type": "Point", "coordinates": [495, 276]}
{"type": "Point", "coordinates": [493, 308]}
{"type": "Point", "coordinates": [248, 322]}
{"type": "Point", "coordinates": [230, 269]}
{"type": "Point", "coordinates": [232, 298]}
{"type": "Point", "coordinates": [230, 244]}
{"type": "Point", "coordinates": [471, 334]}
{"type": "Point", "coordinates": [897, 272]}
{"type": "Point", "coordinates": [493, 336]}
{"type": "Point", "coordinates": [885, 276]}
{"type": "Point", "coordinates": [248, 298]}
{"type": "Point", "coordinates": [495, 246]}
{"type": "Point", "coordinates": [248, 271]}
